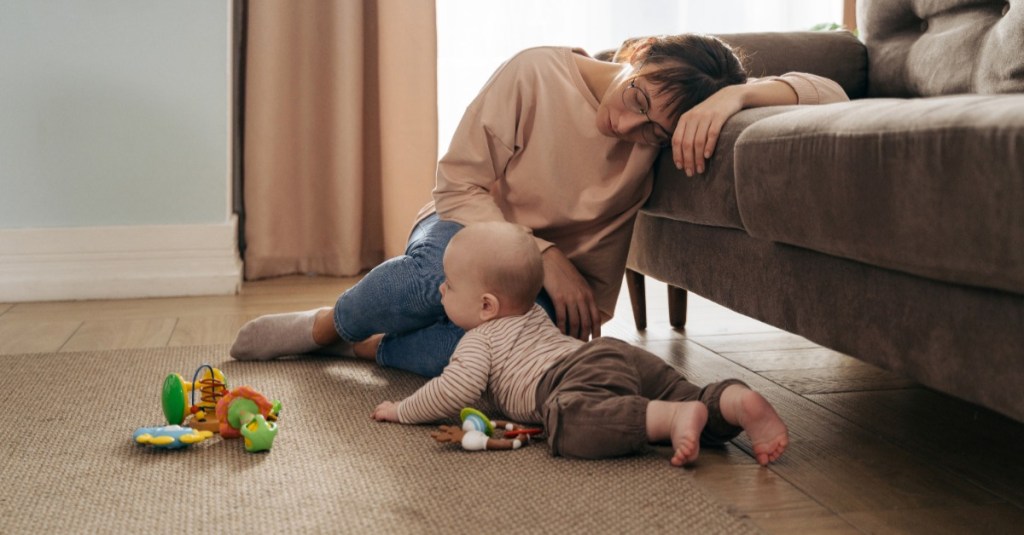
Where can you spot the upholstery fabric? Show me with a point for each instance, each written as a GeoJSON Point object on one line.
{"type": "Point", "coordinates": [708, 198]}
{"type": "Point", "coordinates": [941, 47]}
{"type": "Point", "coordinates": [958, 339]}
{"type": "Point", "coordinates": [838, 56]}
{"type": "Point", "coordinates": [925, 186]}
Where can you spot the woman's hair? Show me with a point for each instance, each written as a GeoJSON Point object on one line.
{"type": "Point", "coordinates": [692, 66]}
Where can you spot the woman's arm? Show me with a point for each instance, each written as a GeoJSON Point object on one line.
{"type": "Point", "coordinates": [698, 129]}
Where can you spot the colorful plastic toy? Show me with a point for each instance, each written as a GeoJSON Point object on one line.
{"type": "Point", "coordinates": [170, 437]}
{"type": "Point", "coordinates": [177, 406]}
{"type": "Point", "coordinates": [245, 412]}
{"type": "Point", "coordinates": [242, 412]}
{"type": "Point", "coordinates": [477, 433]}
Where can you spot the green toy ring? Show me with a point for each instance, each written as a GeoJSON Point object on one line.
{"type": "Point", "coordinates": [470, 412]}
{"type": "Point", "coordinates": [173, 399]}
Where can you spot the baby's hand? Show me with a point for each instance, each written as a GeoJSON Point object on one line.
{"type": "Point", "coordinates": [386, 412]}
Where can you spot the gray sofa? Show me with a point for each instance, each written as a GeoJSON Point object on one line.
{"type": "Point", "coordinates": [889, 228]}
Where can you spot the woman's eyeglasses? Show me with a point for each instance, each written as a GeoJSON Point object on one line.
{"type": "Point", "coordinates": [637, 100]}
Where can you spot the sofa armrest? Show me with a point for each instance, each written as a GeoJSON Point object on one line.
{"type": "Point", "coordinates": [836, 55]}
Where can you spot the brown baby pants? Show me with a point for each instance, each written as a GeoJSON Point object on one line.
{"type": "Point", "coordinates": [594, 402]}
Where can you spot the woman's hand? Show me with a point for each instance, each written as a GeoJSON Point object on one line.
{"type": "Point", "coordinates": [576, 312]}
{"type": "Point", "coordinates": [697, 130]}
{"type": "Point", "coordinates": [386, 412]}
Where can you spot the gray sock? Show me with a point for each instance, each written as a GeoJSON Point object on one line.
{"type": "Point", "coordinates": [275, 335]}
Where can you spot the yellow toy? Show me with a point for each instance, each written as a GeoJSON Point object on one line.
{"type": "Point", "coordinates": [211, 386]}
{"type": "Point", "coordinates": [241, 412]}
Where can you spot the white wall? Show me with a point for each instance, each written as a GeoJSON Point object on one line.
{"type": "Point", "coordinates": [114, 149]}
{"type": "Point", "coordinates": [475, 36]}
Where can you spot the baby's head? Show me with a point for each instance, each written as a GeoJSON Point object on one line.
{"type": "Point", "coordinates": [492, 270]}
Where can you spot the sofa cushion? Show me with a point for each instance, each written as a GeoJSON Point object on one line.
{"type": "Point", "coordinates": [932, 187]}
{"type": "Point", "coordinates": [941, 47]}
{"type": "Point", "coordinates": [708, 198]}
{"type": "Point", "coordinates": [836, 55]}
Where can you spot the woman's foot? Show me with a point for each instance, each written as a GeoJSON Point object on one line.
{"type": "Point", "coordinates": [751, 411]}
{"type": "Point", "coordinates": [278, 335]}
{"type": "Point", "coordinates": [680, 422]}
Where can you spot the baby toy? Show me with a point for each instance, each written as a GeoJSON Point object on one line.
{"type": "Point", "coordinates": [170, 437]}
{"type": "Point", "coordinates": [477, 433]}
{"type": "Point", "coordinates": [242, 412]}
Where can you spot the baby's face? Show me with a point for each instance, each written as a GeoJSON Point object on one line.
{"type": "Point", "coordinates": [462, 290]}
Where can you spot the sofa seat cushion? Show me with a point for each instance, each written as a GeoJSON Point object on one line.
{"type": "Point", "coordinates": [932, 187]}
{"type": "Point", "coordinates": [708, 198]}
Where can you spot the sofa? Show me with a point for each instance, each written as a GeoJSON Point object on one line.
{"type": "Point", "coordinates": [889, 228]}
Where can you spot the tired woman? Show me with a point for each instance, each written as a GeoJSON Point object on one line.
{"type": "Point", "coordinates": [562, 144]}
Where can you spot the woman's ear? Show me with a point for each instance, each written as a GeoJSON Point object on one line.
{"type": "Point", "coordinates": [490, 307]}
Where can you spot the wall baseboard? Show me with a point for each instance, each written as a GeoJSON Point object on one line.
{"type": "Point", "coordinates": [64, 264]}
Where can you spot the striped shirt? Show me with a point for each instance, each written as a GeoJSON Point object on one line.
{"type": "Point", "coordinates": [507, 356]}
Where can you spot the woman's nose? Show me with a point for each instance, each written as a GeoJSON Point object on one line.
{"type": "Point", "coordinates": [631, 122]}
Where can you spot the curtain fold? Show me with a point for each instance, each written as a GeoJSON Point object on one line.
{"type": "Point", "coordinates": [340, 132]}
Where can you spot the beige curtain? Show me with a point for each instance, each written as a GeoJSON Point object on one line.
{"type": "Point", "coordinates": [340, 132]}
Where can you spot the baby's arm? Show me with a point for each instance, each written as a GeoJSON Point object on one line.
{"type": "Point", "coordinates": [461, 384]}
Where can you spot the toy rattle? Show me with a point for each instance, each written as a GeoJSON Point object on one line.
{"type": "Point", "coordinates": [242, 412]}
{"type": "Point", "coordinates": [477, 433]}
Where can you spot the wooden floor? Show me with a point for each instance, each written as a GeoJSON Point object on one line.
{"type": "Point", "coordinates": [871, 452]}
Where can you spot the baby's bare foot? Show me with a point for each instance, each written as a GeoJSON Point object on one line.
{"type": "Point", "coordinates": [688, 421]}
{"type": "Point", "coordinates": [768, 434]}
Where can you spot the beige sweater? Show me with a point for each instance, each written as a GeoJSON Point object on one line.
{"type": "Point", "coordinates": [507, 355]}
{"type": "Point", "coordinates": [528, 151]}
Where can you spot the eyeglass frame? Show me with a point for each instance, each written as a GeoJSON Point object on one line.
{"type": "Point", "coordinates": [643, 111]}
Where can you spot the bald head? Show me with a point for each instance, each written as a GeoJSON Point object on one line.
{"type": "Point", "coordinates": [506, 259]}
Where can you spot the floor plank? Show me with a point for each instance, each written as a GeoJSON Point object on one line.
{"type": "Point", "coordinates": [207, 330]}
{"type": "Point", "coordinates": [742, 343]}
{"type": "Point", "coordinates": [4, 307]}
{"type": "Point", "coordinates": [843, 379]}
{"type": "Point", "coordinates": [791, 359]}
{"type": "Point", "coordinates": [772, 503]}
{"type": "Point", "coordinates": [997, 518]}
{"type": "Point", "coordinates": [34, 336]}
{"type": "Point", "coordinates": [844, 467]}
{"type": "Point", "coordinates": [973, 442]}
{"type": "Point", "coordinates": [121, 334]}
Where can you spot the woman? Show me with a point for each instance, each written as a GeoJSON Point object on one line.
{"type": "Point", "coordinates": [562, 144]}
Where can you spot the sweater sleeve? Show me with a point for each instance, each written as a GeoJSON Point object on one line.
{"type": "Point", "coordinates": [461, 384]}
{"type": "Point", "coordinates": [481, 148]}
{"type": "Point", "coordinates": [810, 88]}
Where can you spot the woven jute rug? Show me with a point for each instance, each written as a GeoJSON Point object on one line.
{"type": "Point", "coordinates": [69, 464]}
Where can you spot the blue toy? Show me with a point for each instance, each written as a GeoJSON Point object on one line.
{"type": "Point", "coordinates": [170, 437]}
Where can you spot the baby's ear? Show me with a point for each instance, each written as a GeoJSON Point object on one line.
{"type": "Point", "coordinates": [490, 307]}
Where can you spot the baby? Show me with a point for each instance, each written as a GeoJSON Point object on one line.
{"type": "Point", "coordinates": [596, 399]}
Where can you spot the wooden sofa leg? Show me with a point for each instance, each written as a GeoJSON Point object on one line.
{"type": "Point", "coordinates": [676, 307]}
{"type": "Point", "coordinates": [637, 298]}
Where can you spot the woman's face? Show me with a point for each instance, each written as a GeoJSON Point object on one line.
{"type": "Point", "coordinates": [633, 110]}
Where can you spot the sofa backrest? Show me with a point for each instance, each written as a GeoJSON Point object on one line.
{"type": "Point", "coordinates": [836, 55]}
{"type": "Point", "coordinates": [921, 48]}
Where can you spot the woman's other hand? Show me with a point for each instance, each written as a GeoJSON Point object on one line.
{"type": "Point", "coordinates": [576, 312]}
{"type": "Point", "coordinates": [697, 130]}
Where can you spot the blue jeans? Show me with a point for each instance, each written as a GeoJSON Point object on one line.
{"type": "Point", "coordinates": [402, 299]}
